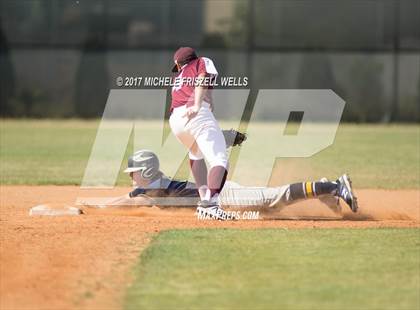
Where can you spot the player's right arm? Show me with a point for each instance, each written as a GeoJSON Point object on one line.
{"type": "Point", "coordinates": [199, 92]}
{"type": "Point", "coordinates": [120, 201]}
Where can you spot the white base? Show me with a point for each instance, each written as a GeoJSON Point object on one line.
{"type": "Point", "coordinates": [50, 211]}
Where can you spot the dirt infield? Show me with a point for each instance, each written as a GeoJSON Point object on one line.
{"type": "Point", "coordinates": [84, 261]}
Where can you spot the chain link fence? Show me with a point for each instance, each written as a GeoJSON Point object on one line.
{"type": "Point", "coordinates": [60, 58]}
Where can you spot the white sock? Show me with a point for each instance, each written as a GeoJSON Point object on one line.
{"type": "Point", "coordinates": [202, 191]}
{"type": "Point", "coordinates": [207, 195]}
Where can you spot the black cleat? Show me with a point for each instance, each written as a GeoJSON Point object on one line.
{"type": "Point", "coordinates": [345, 192]}
{"type": "Point", "coordinates": [207, 210]}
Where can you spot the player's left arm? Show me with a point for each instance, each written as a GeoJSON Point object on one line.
{"type": "Point", "coordinates": [233, 137]}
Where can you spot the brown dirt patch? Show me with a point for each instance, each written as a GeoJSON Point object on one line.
{"type": "Point", "coordinates": [84, 261]}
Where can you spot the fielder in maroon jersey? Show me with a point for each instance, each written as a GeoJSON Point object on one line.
{"type": "Point", "coordinates": [194, 125]}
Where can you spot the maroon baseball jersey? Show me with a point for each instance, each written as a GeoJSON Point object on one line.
{"type": "Point", "coordinates": [183, 93]}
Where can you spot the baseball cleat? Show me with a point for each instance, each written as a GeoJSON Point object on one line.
{"type": "Point", "coordinates": [332, 202]}
{"type": "Point", "coordinates": [345, 192]}
{"type": "Point", "coordinates": [207, 210]}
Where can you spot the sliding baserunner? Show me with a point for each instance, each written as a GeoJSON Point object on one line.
{"type": "Point", "coordinates": [151, 183]}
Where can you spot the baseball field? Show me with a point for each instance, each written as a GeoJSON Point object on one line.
{"type": "Point", "coordinates": [302, 257]}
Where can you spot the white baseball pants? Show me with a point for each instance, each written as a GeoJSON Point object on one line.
{"type": "Point", "coordinates": [201, 135]}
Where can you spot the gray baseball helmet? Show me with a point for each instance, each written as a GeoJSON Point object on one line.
{"type": "Point", "coordinates": [145, 161]}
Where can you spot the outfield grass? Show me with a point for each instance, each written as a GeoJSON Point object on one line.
{"type": "Point", "coordinates": [57, 152]}
{"type": "Point", "coordinates": [279, 269]}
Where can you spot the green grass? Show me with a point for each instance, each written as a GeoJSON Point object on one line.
{"type": "Point", "coordinates": [45, 152]}
{"type": "Point", "coordinates": [279, 269]}
{"type": "Point", "coordinates": [57, 152]}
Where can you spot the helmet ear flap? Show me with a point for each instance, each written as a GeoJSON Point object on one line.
{"type": "Point", "coordinates": [146, 163]}
{"type": "Point", "coordinates": [148, 173]}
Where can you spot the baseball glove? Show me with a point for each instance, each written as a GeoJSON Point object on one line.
{"type": "Point", "coordinates": [233, 137]}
